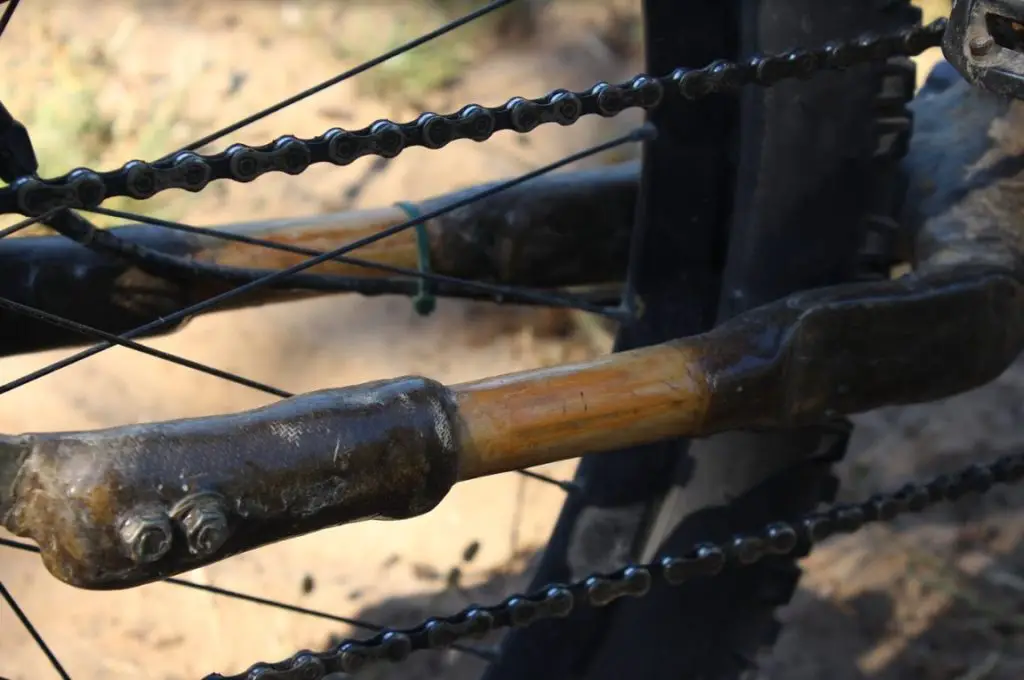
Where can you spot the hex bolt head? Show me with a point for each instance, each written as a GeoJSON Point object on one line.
{"type": "Point", "coordinates": [204, 522]}
{"type": "Point", "coordinates": [981, 45]}
{"type": "Point", "coordinates": [146, 535]}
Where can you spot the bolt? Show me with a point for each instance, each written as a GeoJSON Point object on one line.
{"type": "Point", "coordinates": [981, 45]}
{"type": "Point", "coordinates": [204, 522]}
{"type": "Point", "coordinates": [146, 535]}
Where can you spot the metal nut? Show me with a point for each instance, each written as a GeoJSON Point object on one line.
{"type": "Point", "coordinates": [981, 45]}
{"type": "Point", "coordinates": [204, 522]}
{"type": "Point", "coordinates": [146, 535]}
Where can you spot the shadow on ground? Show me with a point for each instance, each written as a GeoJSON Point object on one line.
{"type": "Point", "coordinates": [455, 594]}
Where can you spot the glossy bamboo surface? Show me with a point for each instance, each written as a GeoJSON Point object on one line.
{"type": "Point", "coordinates": [524, 419]}
{"type": "Point", "coordinates": [322, 234]}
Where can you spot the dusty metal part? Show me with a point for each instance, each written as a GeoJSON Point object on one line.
{"type": "Point", "coordinates": [146, 534]}
{"type": "Point", "coordinates": [384, 450]}
{"type": "Point", "coordinates": [203, 519]}
{"type": "Point", "coordinates": [985, 42]}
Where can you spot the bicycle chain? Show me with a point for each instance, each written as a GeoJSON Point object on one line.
{"type": "Point", "coordinates": [192, 171]}
{"type": "Point", "coordinates": [599, 590]}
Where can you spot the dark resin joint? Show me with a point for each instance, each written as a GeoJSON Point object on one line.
{"type": "Point", "coordinates": [134, 504]}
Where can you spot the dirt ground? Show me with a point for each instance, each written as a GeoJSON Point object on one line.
{"type": "Point", "coordinates": [939, 597]}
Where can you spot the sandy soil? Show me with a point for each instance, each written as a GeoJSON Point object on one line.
{"type": "Point", "coordinates": [938, 598]}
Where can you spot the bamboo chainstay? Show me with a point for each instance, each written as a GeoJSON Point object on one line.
{"type": "Point", "coordinates": [193, 172]}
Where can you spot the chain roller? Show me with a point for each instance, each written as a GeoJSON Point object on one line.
{"type": "Point", "coordinates": [191, 171]}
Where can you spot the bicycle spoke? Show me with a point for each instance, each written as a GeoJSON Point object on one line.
{"type": "Point", "coordinates": [254, 599]}
{"type": "Point", "coordinates": [500, 291]}
{"type": "Point", "coordinates": [96, 333]}
{"type": "Point", "coordinates": [365, 66]}
{"type": "Point", "coordinates": [567, 487]}
{"type": "Point", "coordinates": [295, 609]}
{"type": "Point", "coordinates": [8, 13]}
{"type": "Point", "coordinates": [644, 133]}
{"type": "Point", "coordinates": [6, 595]}
{"type": "Point", "coordinates": [26, 223]}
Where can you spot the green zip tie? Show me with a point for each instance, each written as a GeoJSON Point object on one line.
{"type": "Point", "coordinates": [424, 301]}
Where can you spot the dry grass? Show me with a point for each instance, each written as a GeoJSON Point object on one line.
{"type": "Point", "coordinates": [370, 28]}
{"type": "Point", "coordinates": [74, 122]}
{"type": "Point", "coordinates": [413, 78]}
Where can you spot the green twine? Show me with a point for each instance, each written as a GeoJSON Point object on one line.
{"type": "Point", "coordinates": [424, 301]}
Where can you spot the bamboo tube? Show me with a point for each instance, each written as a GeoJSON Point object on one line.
{"type": "Point", "coordinates": [323, 234]}
{"type": "Point", "coordinates": [526, 419]}
{"type": "Point", "coordinates": [563, 229]}
{"type": "Point", "coordinates": [559, 231]}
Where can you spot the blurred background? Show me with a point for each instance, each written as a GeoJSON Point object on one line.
{"type": "Point", "coordinates": [938, 598]}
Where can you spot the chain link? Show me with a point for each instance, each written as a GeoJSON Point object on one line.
{"type": "Point", "coordinates": [191, 171]}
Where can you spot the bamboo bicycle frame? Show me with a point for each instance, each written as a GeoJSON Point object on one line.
{"type": "Point", "coordinates": [124, 506]}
